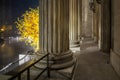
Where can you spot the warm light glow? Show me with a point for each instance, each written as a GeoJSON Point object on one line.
{"type": "Point", "coordinates": [28, 26]}
{"type": "Point", "coordinates": [2, 29]}
{"type": "Point", "coordinates": [5, 28]}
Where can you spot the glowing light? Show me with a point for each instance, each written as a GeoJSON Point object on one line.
{"type": "Point", "coordinates": [2, 29]}
{"type": "Point", "coordinates": [28, 26]}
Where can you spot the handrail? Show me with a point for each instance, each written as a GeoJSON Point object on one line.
{"type": "Point", "coordinates": [30, 65]}
{"type": "Point", "coordinates": [28, 53]}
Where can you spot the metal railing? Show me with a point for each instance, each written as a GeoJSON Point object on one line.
{"type": "Point", "coordinates": [31, 64]}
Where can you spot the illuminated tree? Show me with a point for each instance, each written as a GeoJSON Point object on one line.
{"type": "Point", "coordinates": [28, 26]}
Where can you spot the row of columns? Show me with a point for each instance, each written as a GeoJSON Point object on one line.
{"type": "Point", "coordinates": [54, 32]}
{"type": "Point", "coordinates": [62, 21]}
{"type": "Point", "coordinates": [102, 26]}
{"type": "Point", "coordinates": [80, 21]}
{"type": "Point", "coordinates": [74, 22]}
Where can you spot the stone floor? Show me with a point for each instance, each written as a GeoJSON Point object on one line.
{"type": "Point", "coordinates": [94, 65]}
{"type": "Point", "coordinates": [91, 65]}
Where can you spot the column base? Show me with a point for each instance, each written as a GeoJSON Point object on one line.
{"type": "Point", "coordinates": [74, 43]}
{"type": "Point", "coordinates": [63, 61]}
{"type": "Point", "coordinates": [58, 62]}
{"type": "Point", "coordinates": [86, 43]}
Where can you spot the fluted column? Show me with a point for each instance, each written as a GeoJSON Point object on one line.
{"type": "Point", "coordinates": [79, 18]}
{"type": "Point", "coordinates": [54, 32]}
{"type": "Point", "coordinates": [97, 23]}
{"type": "Point", "coordinates": [73, 23]}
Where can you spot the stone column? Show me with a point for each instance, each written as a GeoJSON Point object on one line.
{"type": "Point", "coordinates": [105, 26]}
{"type": "Point", "coordinates": [73, 23]}
{"type": "Point", "coordinates": [54, 32]}
{"type": "Point", "coordinates": [97, 23]}
{"type": "Point", "coordinates": [79, 18]}
{"type": "Point", "coordinates": [87, 20]}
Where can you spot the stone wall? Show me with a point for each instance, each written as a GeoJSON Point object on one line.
{"type": "Point", "coordinates": [115, 52]}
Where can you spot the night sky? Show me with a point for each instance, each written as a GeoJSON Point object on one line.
{"type": "Point", "coordinates": [20, 6]}
{"type": "Point", "coordinates": [10, 10]}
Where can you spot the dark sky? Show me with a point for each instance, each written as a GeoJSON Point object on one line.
{"type": "Point", "coordinates": [10, 10]}
{"type": "Point", "coordinates": [20, 6]}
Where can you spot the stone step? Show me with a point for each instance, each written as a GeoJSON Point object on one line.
{"type": "Point", "coordinates": [60, 57]}
{"type": "Point", "coordinates": [63, 65]}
